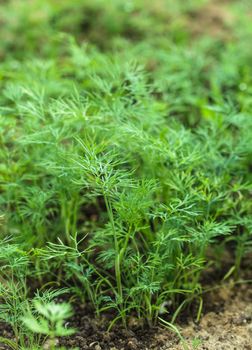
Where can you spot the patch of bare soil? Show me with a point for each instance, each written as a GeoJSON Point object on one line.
{"type": "Point", "coordinates": [228, 327]}
{"type": "Point", "coordinates": [214, 19]}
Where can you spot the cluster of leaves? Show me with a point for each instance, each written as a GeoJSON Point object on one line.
{"type": "Point", "coordinates": [117, 174]}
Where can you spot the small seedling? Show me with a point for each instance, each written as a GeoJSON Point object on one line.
{"type": "Point", "coordinates": [49, 320]}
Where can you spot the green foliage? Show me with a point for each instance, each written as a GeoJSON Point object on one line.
{"type": "Point", "coordinates": [125, 156]}
{"type": "Point", "coordinates": [50, 321]}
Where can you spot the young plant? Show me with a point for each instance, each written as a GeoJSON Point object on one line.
{"type": "Point", "coordinates": [49, 320]}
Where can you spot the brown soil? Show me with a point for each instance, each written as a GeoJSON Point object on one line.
{"type": "Point", "coordinates": [229, 327]}
{"type": "Point", "coordinates": [214, 20]}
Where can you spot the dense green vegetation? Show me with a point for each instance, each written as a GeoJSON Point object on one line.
{"type": "Point", "coordinates": [125, 157]}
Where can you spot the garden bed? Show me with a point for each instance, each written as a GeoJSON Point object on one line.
{"type": "Point", "coordinates": [125, 174]}
{"type": "Point", "coordinates": [226, 325]}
